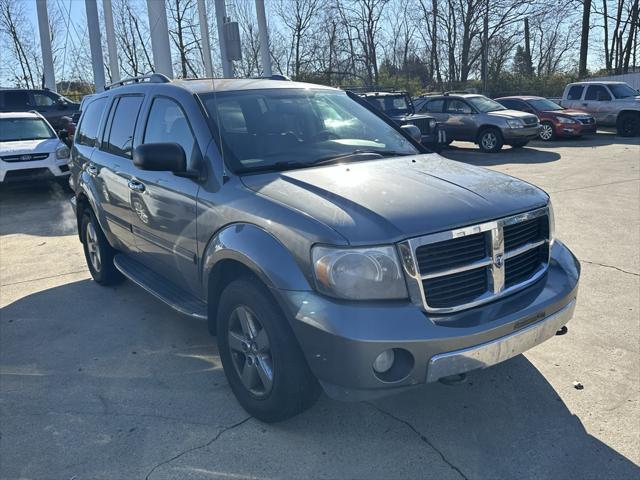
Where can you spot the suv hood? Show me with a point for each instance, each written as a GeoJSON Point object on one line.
{"type": "Point", "coordinates": [511, 114]}
{"type": "Point", "coordinates": [387, 200]}
{"type": "Point", "coordinates": [20, 147]}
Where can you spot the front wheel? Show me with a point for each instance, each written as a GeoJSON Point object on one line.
{"type": "Point", "coordinates": [547, 132]}
{"type": "Point", "coordinates": [628, 124]}
{"type": "Point", "coordinates": [490, 140]}
{"type": "Point", "coordinates": [262, 360]}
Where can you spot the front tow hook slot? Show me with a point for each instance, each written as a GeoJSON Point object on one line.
{"type": "Point", "coordinates": [562, 331]}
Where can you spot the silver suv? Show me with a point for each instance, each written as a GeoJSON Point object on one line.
{"type": "Point", "coordinates": [476, 118]}
{"type": "Point", "coordinates": [613, 104]}
{"type": "Point", "coordinates": [322, 245]}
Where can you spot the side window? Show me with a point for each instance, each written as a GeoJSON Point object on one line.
{"type": "Point", "coordinates": [16, 100]}
{"type": "Point", "coordinates": [433, 106]}
{"type": "Point", "coordinates": [510, 104]}
{"type": "Point", "coordinates": [167, 123]}
{"type": "Point", "coordinates": [88, 129]}
{"type": "Point", "coordinates": [43, 100]}
{"type": "Point", "coordinates": [598, 93]}
{"type": "Point", "coordinates": [123, 124]}
{"type": "Point", "coordinates": [458, 106]}
{"type": "Point", "coordinates": [575, 92]}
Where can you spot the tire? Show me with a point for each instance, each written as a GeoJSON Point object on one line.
{"type": "Point", "coordinates": [519, 144]}
{"type": "Point", "coordinates": [254, 338]}
{"type": "Point", "coordinates": [490, 140]}
{"type": "Point", "coordinates": [628, 124]}
{"type": "Point", "coordinates": [97, 251]}
{"type": "Point", "coordinates": [547, 132]}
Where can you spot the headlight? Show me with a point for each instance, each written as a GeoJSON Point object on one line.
{"type": "Point", "coordinates": [371, 273]}
{"type": "Point", "coordinates": [62, 153]}
{"type": "Point", "coordinates": [566, 120]}
{"type": "Point", "coordinates": [552, 223]}
{"type": "Point", "coordinates": [515, 123]}
{"type": "Point", "coordinates": [432, 124]}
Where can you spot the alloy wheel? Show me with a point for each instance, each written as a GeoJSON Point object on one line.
{"type": "Point", "coordinates": [250, 351]}
{"type": "Point", "coordinates": [546, 132]}
{"type": "Point", "coordinates": [93, 247]}
{"type": "Point", "coordinates": [489, 140]}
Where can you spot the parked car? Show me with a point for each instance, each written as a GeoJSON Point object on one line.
{"type": "Point", "coordinates": [613, 104]}
{"type": "Point", "coordinates": [555, 121]}
{"type": "Point", "coordinates": [399, 106]}
{"type": "Point", "coordinates": [50, 105]}
{"type": "Point", "coordinates": [321, 243]}
{"type": "Point", "coordinates": [476, 118]}
{"type": "Point", "coordinates": [30, 149]}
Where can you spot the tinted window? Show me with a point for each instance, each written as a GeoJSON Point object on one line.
{"type": "Point", "coordinates": [123, 124]}
{"type": "Point", "coordinates": [433, 106]}
{"type": "Point", "coordinates": [597, 92]}
{"type": "Point", "coordinates": [622, 90]}
{"type": "Point", "coordinates": [575, 92]}
{"type": "Point", "coordinates": [167, 123]}
{"type": "Point", "coordinates": [512, 104]}
{"type": "Point", "coordinates": [457, 106]}
{"type": "Point", "coordinates": [88, 130]}
{"type": "Point", "coordinates": [16, 99]}
{"type": "Point", "coordinates": [43, 100]}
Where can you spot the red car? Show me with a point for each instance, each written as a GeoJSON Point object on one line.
{"type": "Point", "coordinates": [555, 121]}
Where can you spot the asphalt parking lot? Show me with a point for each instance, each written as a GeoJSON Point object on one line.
{"type": "Point", "coordinates": [109, 383]}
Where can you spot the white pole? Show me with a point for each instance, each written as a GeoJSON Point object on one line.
{"type": "Point", "coordinates": [160, 37]}
{"type": "Point", "coordinates": [221, 15]}
{"type": "Point", "coordinates": [264, 38]}
{"type": "Point", "coordinates": [45, 45]}
{"type": "Point", "coordinates": [204, 34]}
{"type": "Point", "coordinates": [95, 44]}
{"type": "Point", "coordinates": [111, 40]}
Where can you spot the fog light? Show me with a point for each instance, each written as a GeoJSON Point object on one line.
{"type": "Point", "coordinates": [384, 361]}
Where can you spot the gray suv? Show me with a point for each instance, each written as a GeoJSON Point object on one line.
{"type": "Point", "coordinates": [323, 246]}
{"type": "Point", "coordinates": [476, 118]}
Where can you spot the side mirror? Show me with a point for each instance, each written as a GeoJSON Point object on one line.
{"type": "Point", "coordinates": [160, 157]}
{"type": "Point", "coordinates": [413, 131]}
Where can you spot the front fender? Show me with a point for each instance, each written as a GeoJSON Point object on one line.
{"type": "Point", "coordinates": [259, 251]}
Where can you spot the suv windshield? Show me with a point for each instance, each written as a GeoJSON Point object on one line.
{"type": "Point", "coordinates": [390, 104]}
{"type": "Point", "coordinates": [294, 128]}
{"type": "Point", "coordinates": [544, 105]}
{"type": "Point", "coordinates": [14, 129]}
{"type": "Point", "coordinates": [622, 90]}
{"type": "Point", "coordinates": [484, 104]}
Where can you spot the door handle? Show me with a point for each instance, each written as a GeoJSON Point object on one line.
{"type": "Point", "coordinates": [92, 170]}
{"type": "Point", "coordinates": [136, 186]}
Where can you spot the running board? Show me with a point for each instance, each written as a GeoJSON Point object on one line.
{"type": "Point", "coordinates": [159, 287]}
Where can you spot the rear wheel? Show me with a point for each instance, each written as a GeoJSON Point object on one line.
{"type": "Point", "coordinates": [628, 124]}
{"type": "Point", "coordinates": [490, 140]}
{"type": "Point", "coordinates": [97, 251]}
{"type": "Point", "coordinates": [547, 132]}
{"type": "Point", "coordinates": [262, 360]}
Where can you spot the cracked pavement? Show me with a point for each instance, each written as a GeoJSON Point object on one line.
{"type": "Point", "coordinates": [108, 383]}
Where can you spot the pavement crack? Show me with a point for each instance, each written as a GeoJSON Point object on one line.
{"type": "Point", "coordinates": [422, 437]}
{"type": "Point", "coordinates": [611, 266]}
{"type": "Point", "coordinates": [199, 447]}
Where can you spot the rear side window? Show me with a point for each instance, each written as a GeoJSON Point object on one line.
{"type": "Point", "coordinates": [434, 106]}
{"type": "Point", "coordinates": [88, 129]}
{"type": "Point", "coordinates": [597, 92]}
{"type": "Point", "coordinates": [123, 124]}
{"type": "Point", "coordinates": [458, 106]}
{"type": "Point", "coordinates": [575, 92]}
{"type": "Point", "coordinates": [168, 123]}
{"type": "Point", "coordinates": [16, 99]}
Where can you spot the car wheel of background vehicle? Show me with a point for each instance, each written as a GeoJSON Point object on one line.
{"type": "Point", "coordinates": [519, 144]}
{"type": "Point", "coordinates": [628, 124]}
{"type": "Point", "coordinates": [490, 140]}
{"type": "Point", "coordinates": [547, 132]}
{"type": "Point", "coordinates": [262, 360]}
{"type": "Point", "coordinates": [97, 251]}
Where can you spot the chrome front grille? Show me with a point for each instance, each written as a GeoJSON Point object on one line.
{"type": "Point", "coordinates": [31, 157]}
{"type": "Point", "coordinates": [421, 123]}
{"type": "Point", "coordinates": [461, 268]}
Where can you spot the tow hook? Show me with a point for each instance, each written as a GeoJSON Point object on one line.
{"type": "Point", "coordinates": [562, 331]}
{"type": "Point", "coordinates": [453, 379]}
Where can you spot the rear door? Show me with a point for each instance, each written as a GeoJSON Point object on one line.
{"type": "Point", "coordinates": [598, 102]}
{"type": "Point", "coordinates": [163, 204]}
{"type": "Point", "coordinates": [113, 167]}
{"type": "Point", "coordinates": [573, 98]}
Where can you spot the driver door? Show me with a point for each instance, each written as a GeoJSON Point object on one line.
{"type": "Point", "coordinates": [460, 120]}
{"type": "Point", "coordinates": [597, 100]}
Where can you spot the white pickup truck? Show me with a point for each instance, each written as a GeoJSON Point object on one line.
{"type": "Point", "coordinates": [610, 103]}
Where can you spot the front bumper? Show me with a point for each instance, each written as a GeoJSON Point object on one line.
{"type": "Point", "coordinates": [575, 130]}
{"type": "Point", "coordinates": [342, 339]}
{"type": "Point", "coordinates": [437, 137]}
{"type": "Point", "coordinates": [33, 170]}
{"type": "Point", "coordinates": [520, 134]}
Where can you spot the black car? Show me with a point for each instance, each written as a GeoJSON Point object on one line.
{"type": "Point", "coordinates": [50, 105]}
{"type": "Point", "coordinates": [399, 106]}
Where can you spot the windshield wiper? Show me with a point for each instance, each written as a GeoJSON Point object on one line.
{"type": "Point", "coordinates": [362, 151]}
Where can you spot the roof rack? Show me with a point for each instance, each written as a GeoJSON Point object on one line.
{"type": "Point", "coordinates": [372, 89]}
{"type": "Point", "coordinates": [153, 78]}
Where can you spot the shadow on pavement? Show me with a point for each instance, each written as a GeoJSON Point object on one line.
{"type": "Point", "coordinates": [470, 153]}
{"type": "Point", "coordinates": [110, 383]}
{"type": "Point", "coordinates": [36, 208]}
